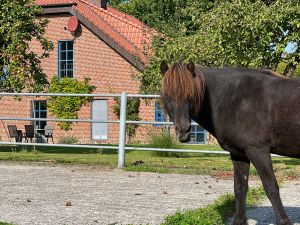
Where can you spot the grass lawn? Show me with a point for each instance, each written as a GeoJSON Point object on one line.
{"type": "Point", "coordinates": [191, 163]}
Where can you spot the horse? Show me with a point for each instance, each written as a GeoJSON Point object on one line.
{"type": "Point", "coordinates": [251, 113]}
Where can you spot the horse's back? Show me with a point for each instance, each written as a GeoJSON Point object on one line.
{"type": "Point", "coordinates": [256, 109]}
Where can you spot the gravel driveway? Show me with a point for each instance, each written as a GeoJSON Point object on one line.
{"type": "Point", "coordinates": [290, 195]}
{"type": "Point", "coordinates": [37, 194]}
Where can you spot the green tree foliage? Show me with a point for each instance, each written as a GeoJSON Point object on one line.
{"type": "Point", "coordinates": [19, 66]}
{"type": "Point", "coordinates": [244, 33]}
{"type": "Point", "coordinates": [174, 17]}
{"type": "Point", "coordinates": [68, 107]}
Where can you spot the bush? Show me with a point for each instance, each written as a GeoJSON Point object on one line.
{"type": "Point", "coordinates": [68, 140]}
{"type": "Point", "coordinates": [164, 140]}
{"type": "Point", "coordinates": [68, 107]}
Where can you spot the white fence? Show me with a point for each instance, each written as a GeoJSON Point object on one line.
{"type": "Point", "coordinates": [122, 124]}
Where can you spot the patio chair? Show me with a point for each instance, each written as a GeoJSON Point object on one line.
{"type": "Point", "coordinates": [15, 133]}
{"type": "Point", "coordinates": [29, 133]}
{"type": "Point", "coordinates": [49, 132]}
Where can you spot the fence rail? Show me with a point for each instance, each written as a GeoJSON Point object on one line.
{"type": "Point", "coordinates": [122, 125]}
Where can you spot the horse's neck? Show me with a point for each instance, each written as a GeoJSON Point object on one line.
{"type": "Point", "coordinates": [214, 91]}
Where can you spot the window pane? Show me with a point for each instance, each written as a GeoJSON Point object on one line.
{"type": "Point", "coordinates": [193, 138]}
{"type": "Point", "coordinates": [70, 45]}
{"type": "Point", "coordinates": [63, 74]}
{"type": "Point", "coordinates": [43, 105]}
{"type": "Point", "coordinates": [63, 66]}
{"type": "Point", "coordinates": [42, 124]}
{"type": "Point", "coordinates": [193, 129]}
{"type": "Point", "coordinates": [70, 74]}
{"type": "Point", "coordinates": [70, 55]}
{"type": "Point", "coordinates": [36, 105]}
{"type": "Point", "coordinates": [63, 56]}
{"type": "Point", "coordinates": [200, 137]}
{"type": "Point", "coordinates": [70, 65]}
{"type": "Point", "coordinates": [63, 45]}
{"type": "Point", "coordinates": [43, 114]}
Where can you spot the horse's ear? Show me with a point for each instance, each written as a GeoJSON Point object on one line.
{"type": "Point", "coordinates": [164, 67]}
{"type": "Point", "coordinates": [191, 68]}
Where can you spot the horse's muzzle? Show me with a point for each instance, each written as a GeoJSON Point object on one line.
{"type": "Point", "coordinates": [184, 138]}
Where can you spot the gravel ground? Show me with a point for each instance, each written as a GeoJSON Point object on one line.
{"type": "Point", "coordinates": [290, 195]}
{"type": "Point", "coordinates": [37, 194]}
{"type": "Point", "coordinates": [264, 214]}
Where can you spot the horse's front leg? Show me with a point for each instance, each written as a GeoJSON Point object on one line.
{"type": "Point", "coordinates": [263, 164]}
{"type": "Point", "coordinates": [241, 174]}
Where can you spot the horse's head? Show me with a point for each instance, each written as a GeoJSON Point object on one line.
{"type": "Point", "coordinates": [182, 95]}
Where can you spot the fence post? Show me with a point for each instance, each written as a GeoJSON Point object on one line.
{"type": "Point", "coordinates": [122, 131]}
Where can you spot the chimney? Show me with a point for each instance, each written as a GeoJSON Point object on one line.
{"type": "Point", "coordinates": [103, 4]}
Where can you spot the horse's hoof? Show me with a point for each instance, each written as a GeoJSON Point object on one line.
{"type": "Point", "coordinates": [285, 222]}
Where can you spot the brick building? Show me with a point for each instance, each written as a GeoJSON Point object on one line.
{"type": "Point", "coordinates": [91, 40]}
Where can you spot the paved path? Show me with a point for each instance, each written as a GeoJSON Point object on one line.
{"type": "Point", "coordinates": [33, 195]}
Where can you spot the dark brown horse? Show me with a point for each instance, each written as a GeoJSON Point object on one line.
{"type": "Point", "coordinates": [251, 113]}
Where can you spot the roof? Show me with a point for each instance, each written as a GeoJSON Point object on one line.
{"type": "Point", "coordinates": [119, 30]}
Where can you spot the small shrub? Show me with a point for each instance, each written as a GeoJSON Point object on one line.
{"type": "Point", "coordinates": [68, 140]}
{"type": "Point", "coordinates": [68, 107]}
{"type": "Point", "coordinates": [164, 140]}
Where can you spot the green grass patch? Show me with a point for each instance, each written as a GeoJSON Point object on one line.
{"type": "Point", "coordinates": [216, 213]}
{"type": "Point", "coordinates": [144, 161]}
{"type": "Point", "coordinates": [164, 140]}
{"type": "Point", "coordinates": [3, 223]}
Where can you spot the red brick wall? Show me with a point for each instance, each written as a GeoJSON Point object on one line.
{"type": "Point", "coordinates": [92, 58]}
{"type": "Point", "coordinates": [107, 70]}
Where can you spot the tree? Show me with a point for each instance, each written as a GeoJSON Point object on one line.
{"type": "Point", "coordinates": [171, 17]}
{"type": "Point", "coordinates": [19, 66]}
{"type": "Point", "coordinates": [243, 33]}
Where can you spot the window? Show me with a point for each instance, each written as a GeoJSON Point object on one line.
{"type": "Point", "coordinates": [159, 114]}
{"type": "Point", "coordinates": [198, 135]}
{"type": "Point", "coordinates": [5, 73]}
{"type": "Point", "coordinates": [40, 111]}
{"type": "Point", "coordinates": [65, 59]}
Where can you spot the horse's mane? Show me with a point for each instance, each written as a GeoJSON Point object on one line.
{"type": "Point", "coordinates": [181, 85]}
{"type": "Point", "coordinates": [273, 73]}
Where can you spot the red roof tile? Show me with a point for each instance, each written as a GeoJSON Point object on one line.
{"type": "Point", "coordinates": [54, 2]}
{"type": "Point", "coordinates": [129, 32]}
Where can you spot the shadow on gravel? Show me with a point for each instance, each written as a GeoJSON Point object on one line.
{"type": "Point", "coordinates": [265, 215]}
